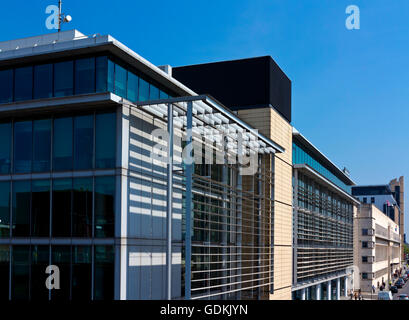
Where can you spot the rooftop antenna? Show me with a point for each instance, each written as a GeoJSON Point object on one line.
{"type": "Point", "coordinates": [61, 16]}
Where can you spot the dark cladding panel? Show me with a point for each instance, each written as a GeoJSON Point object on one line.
{"type": "Point", "coordinates": [240, 84]}
{"type": "Point", "coordinates": [280, 90]}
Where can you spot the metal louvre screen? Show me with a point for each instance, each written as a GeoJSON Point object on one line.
{"type": "Point", "coordinates": [226, 180]}
{"type": "Point", "coordinates": [232, 232]}
{"type": "Point", "coordinates": [324, 230]}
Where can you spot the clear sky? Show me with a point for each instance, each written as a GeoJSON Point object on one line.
{"type": "Point", "coordinates": [350, 88]}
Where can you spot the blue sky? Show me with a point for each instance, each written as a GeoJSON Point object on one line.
{"type": "Point", "coordinates": [350, 88]}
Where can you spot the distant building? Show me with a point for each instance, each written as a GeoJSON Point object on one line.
{"type": "Point", "coordinates": [322, 225]}
{"type": "Point", "coordinates": [388, 198]}
{"type": "Point", "coordinates": [377, 247]}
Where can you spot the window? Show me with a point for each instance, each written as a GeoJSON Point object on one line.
{"type": "Point", "coordinates": [4, 210]}
{"type": "Point", "coordinates": [364, 199]}
{"type": "Point", "coordinates": [5, 147]}
{"type": "Point", "coordinates": [40, 208]}
{"type": "Point", "coordinates": [40, 260]}
{"type": "Point", "coordinates": [364, 244]}
{"type": "Point", "coordinates": [101, 66]}
{"type": "Point", "coordinates": [20, 281]}
{"type": "Point", "coordinates": [111, 76]}
{"type": "Point", "coordinates": [43, 81]}
{"type": "Point", "coordinates": [22, 146]}
{"type": "Point", "coordinates": [133, 83]}
{"type": "Point", "coordinates": [364, 259]}
{"type": "Point", "coordinates": [83, 142]}
{"type": "Point", "coordinates": [61, 213]}
{"type": "Point", "coordinates": [364, 275]}
{"type": "Point", "coordinates": [364, 232]}
{"type": "Point", "coordinates": [23, 83]}
{"type": "Point", "coordinates": [42, 145]}
{"type": "Point", "coordinates": [61, 256]}
{"type": "Point", "coordinates": [6, 86]}
{"type": "Point", "coordinates": [105, 140]}
{"type": "Point", "coordinates": [5, 272]}
{"type": "Point", "coordinates": [21, 208]}
{"type": "Point", "coordinates": [372, 199]}
{"type": "Point", "coordinates": [104, 206]}
{"type": "Point", "coordinates": [85, 75]}
{"type": "Point", "coordinates": [153, 92]}
{"type": "Point", "coordinates": [63, 79]}
{"type": "Point", "coordinates": [104, 273]}
{"type": "Point", "coordinates": [163, 95]}
{"type": "Point", "coordinates": [120, 81]}
{"type": "Point", "coordinates": [62, 144]}
{"type": "Point", "coordinates": [82, 208]}
{"type": "Point", "coordinates": [81, 273]}
{"type": "Point", "coordinates": [143, 90]}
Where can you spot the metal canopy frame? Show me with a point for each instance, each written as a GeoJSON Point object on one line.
{"type": "Point", "coordinates": [204, 116]}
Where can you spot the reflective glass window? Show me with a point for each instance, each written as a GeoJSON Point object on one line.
{"type": "Point", "coordinates": [23, 83]}
{"type": "Point", "coordinates": [83, 142]}
{"type": "Point", "coordinates": [4, 209]}
{"type": "Point", "coordinates": [85, 75]}
{"type": "Point", "coordinates": [101, 66]}
{"type": "Point", "coordinates": [104, 206]}
{"type": "Point", "coordinates": [5, 147]}
{"type": "Point", "coordinates": [62, 144]}
{"type": "Point", "coordinates": [5, 272]}
{"type": "Point", "coordinates": [6, 85]}
{"type": "Point", "coordinates": [42, 145]}
{"type": "Point", "coordinates": [40, 260]}
{"type": "Point", "coordinates": [20, 281]}
{"type": "Point", "coordinates": [111, 76]}
{"type": "Point", "coordinates": [120, 81]}
{"type": "Point", "coordinates": [23, 146]}
{"type": "Point", "coordinates": [21, 208]}
{"type": "Point", "coordinates": [163, 95]}
{"type": "Point", "coordinates": [43, 81]}
{"type": "Point", "coordinates": [143, 90]}
{"type": "Point", "coordinates": [40, 208]}
{"type": "Point", "coordinates": [81, 273]}
{"type": "Point", "coordinates": [63, 79]}
{"type": "Point", "coordinates": [105, 137]}
{"type": "Point", "coordinates": [133, 83]}
{"type": "Point", "coordinates": [82, 208]}
{"type": "Point", "coordinates": [104, 273]}
{"type": "Point", "coordinates": [61, 257]}
{"type": "Point", "coordinates": [61, 213]}
{"type": "Point", "coordinates": [153, 92]}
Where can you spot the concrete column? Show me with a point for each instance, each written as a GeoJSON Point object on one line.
{"type": "Point", "coordinates": [318, 292]}
{"type": "Point", "coordinates": [329, 290]}
{"type": "Point", "coordinates": [303, 294]}
{"type": "Point", "coordinates": [338, 289]}
{"type": "Point", "coordinates": [346, 287]}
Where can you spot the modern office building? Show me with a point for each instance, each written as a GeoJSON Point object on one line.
{"type": "Point", "coordinates": [377, 247]}
{"type": "Point", "coordinates": [388, 198]}
{"type": "Point", "coordinates": [323, 216]}
{"type": "Point", "coordinates": [81, 118]}
{"type": "Point", "coordinates": [259, 92]}
{"type": "Point", "coordinates": [381, 196]}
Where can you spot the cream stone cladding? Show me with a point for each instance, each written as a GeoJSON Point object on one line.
{"type": "Point", "coordinates": [270, 123]}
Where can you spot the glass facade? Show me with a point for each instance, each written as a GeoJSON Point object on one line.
{"type": "Point", "coordinates": [301, 156]}
{"type": "Point", "coordinates": [60, 143]}
{"type": "Point", "coordinates": [86, 272]}
{"type": "Point", "coordinates": [76, 76]}
{"type": "Point", "coordinates": [79, 203]}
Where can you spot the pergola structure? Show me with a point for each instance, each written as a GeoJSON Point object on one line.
{"type": "Point", "coordinates": [229, 215]}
